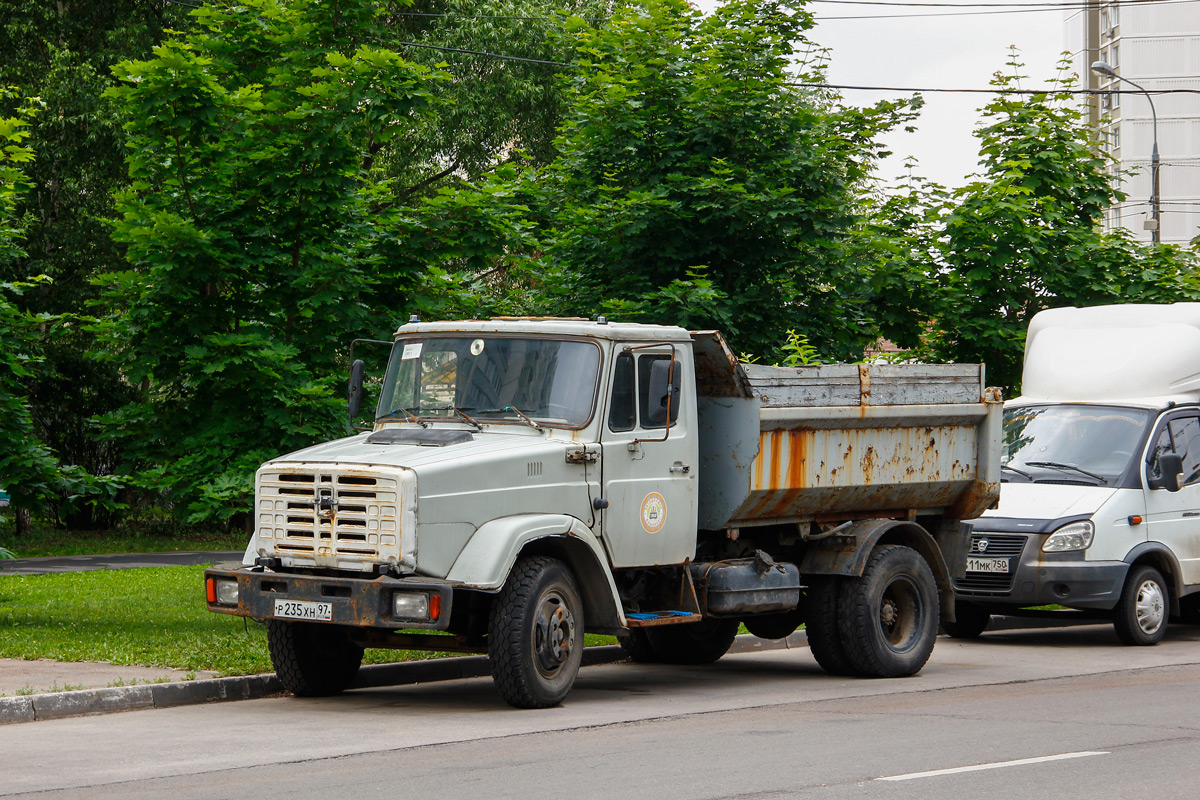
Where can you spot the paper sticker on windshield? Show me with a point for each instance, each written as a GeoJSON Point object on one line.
{"type": "Point", "coordinates": [654, 512]}
{"type": "Point", "coordinates": [411, 351]}
{"type": "Point", "coordinates": [477, 347]}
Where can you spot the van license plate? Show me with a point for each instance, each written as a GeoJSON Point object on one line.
{"type": "Point", "coordinates": [303, 609]}
{"type": "Point", "coordinates": [977, 565]}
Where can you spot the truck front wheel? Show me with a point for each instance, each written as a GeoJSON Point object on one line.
{"type": "Point", "coordinates": [889, 616]}
{"type": "Point", "coordinates": [535, 634]}
{"type": "Point", "coordinates": [312, 659]}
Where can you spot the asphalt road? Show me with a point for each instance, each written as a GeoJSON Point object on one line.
{"type": "Point", "coordinates": [1081, 715]}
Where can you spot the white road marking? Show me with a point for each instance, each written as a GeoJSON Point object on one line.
{"type": "Point", "coordinates": [996, 765]}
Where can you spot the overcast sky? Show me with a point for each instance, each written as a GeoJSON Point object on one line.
{"type": "Point", "coordinates": [952, 52]}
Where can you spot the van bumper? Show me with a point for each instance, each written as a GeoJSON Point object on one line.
{"type": "Point", "coordinates": [1048, 579]}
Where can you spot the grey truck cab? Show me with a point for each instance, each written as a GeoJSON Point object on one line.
{"type": "Point", "coordinates": [527, 481]}
{"type": "Point", "coordinates": [1100, 507]}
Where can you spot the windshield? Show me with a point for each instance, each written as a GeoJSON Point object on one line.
{"type": "Point", "coordinates": [1073, 444]}
{"type": "Point", "coordinates": [492, 378]}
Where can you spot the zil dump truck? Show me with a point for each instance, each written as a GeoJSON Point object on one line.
{"type": "Point", "coordinates": [527, 481]}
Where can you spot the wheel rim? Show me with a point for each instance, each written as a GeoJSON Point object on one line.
{"type": "Point", "coordinates": [900, 613]}
{"type": "Point", "coordinates": [1150, 608]}
{"type": "Point", "coordinates": [553, 633]}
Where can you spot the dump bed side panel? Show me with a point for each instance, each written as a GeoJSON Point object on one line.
{"type": "Point", "coordinates": [843, 441]}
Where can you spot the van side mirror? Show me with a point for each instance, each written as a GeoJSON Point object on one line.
{"type": "Point", "coordinates": [354, 393]}
{"type": "Point", "coordinates": [1170, 468]}
{"type": "Point", "coordinates": [661, 391]}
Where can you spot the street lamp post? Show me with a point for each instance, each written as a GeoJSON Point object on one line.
{"type": "Point", "coordinates": [1102, 68]}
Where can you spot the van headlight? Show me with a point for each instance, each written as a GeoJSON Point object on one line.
{"type": "Point", "coordinates": [1073, 536]}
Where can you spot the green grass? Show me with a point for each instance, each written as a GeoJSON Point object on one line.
{"type": "Point", "coordinates": [51, 542]}
{"type": "Point", "coordinates": [146, 617]}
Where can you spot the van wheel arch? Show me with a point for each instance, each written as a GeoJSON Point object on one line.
{"type": "Point", "coordinates": [601, 616]}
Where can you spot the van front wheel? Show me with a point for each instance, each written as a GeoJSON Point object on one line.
{"type": "Point", "coordinates": [1140, 617]}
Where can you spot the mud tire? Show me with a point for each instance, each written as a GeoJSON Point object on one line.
{"type": "Point", "coordinates": [312, 659]}
{"type": "Point", "coordinates": [535, 634]}
{"type": "Point", "coordinates": [889, 616]}
{"type": "Point", "coordinates": [821, 626]}
{"type": "Point", "coordinates": [700, 642]}
{"type": "Point", "coordinates": [636, 644]}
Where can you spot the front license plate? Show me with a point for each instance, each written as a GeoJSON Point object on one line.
{"type": "Point", "coordinates": [983, 565]}
{"type": "Point", "coordinates": [303, 609]}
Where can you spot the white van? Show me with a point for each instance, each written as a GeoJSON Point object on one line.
{"type": "Point", "coordinates": [1100, 505]}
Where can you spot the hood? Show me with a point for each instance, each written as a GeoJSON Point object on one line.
{"type": "Point", "coordinates": [357, 450]}
{"type": "Point", "coordinates": [1048, 501]}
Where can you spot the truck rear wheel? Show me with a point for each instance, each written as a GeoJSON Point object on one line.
{"type": "Point", "coordinates": [636, 644]}
{"type": "Point", "coordinates": [535, 634]}
{"type": "Point", "coordinates": [889, 616]}
{"type": "Point", "coordinates": [312, 659]}
{"type": "Point", "coordinates": [1140, 617]}
{"type": "Point", "coordinates": [700, 642]}
{"type": "Point", "coordinates": [821, 625]}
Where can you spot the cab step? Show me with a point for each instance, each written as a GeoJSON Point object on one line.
{"type": "Point", "coordinates": [648, 619]}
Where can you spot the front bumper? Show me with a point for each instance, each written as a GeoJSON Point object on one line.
{"type": "Point", "coordinates": [1040, 579]}
{"type": "Point", "coordinates": [355, 602]}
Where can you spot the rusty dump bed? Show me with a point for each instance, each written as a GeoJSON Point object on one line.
{"type": "Point", "coordinates": [834, 442]}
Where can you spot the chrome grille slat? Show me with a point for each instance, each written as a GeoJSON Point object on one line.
{"type": "Point", "coordinates": [360, 521]}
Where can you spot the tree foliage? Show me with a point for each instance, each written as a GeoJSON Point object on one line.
{"type": "Point", "coordinates": [698, 181]}
{"type": "Point", "coordinates": [251, 232]}
{"type": "Point", "coordinates": [972, 269]}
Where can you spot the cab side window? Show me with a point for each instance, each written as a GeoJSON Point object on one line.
{"type": "Point", "coordinates": [621, 409]}
{"type": "Point", "coordinates": [654, 393]}
{"type": "Point", "coordinates": [1181, 436]}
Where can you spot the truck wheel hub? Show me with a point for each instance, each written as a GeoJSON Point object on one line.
{"type": "Point", "coordinates": [554, 633]}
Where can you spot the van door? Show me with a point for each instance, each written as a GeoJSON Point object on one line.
{"type": "Point", "coordinates": [1173, 518]}
{"type": "Point", "coordinates": [649, 462]}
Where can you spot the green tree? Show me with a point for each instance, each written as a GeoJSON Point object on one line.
{"type": "Point", "coordinates": [1026, 235]}
{"type": "Point", "coordinates": [62, 53]}
{"type": "Point", "coordinates": [252, 237]}
{"type": "Point", "coordinates": [26, 465]}
{"type": "Point", "coordinates": [698, 181]}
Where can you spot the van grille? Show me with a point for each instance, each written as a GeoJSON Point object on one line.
{"type": "Point", "coordinates": [998, 546]}
{"type": "Point", "coordinates": [329, 516]}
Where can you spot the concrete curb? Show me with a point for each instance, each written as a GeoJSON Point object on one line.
{"type": "Point", "coordinates": [59, 705]}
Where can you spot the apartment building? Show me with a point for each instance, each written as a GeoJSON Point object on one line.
{"type": "Point", "coordinates": [1156, 44]}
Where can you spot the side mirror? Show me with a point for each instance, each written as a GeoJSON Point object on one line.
{"type": "Point", "coordinates": [662, 392]}
{"type": "Point", "coordinates": [354, 394]}
{"type": "Point", "coordinates": [1170, 467]}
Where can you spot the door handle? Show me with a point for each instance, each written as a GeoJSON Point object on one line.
{"type": "Point", "coordinates": [682, 469]}
{"type": "Point", "coordinates": [1191, 513]}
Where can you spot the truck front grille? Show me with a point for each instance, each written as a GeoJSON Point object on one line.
{"type": "Point", "coordinates": [329, 516]}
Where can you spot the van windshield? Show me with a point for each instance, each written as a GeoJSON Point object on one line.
{"type": "Point", "coordinates": [1071, 443]}
{"type": "Point", "coordinates": [492, 379]}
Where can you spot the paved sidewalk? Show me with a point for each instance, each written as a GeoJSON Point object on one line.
{"type": "Point", "coordinates": [43, 566]}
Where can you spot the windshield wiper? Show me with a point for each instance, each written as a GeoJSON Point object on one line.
{"type": "Point", "coordinates": [407, 415]}
{"type": "Point", "coordinates": [1020, 472]}
{"type": "Point", "coordinates": [451, 407]}
{"type": "Point", "coordinates": [1060, 465]}
{"type": "Point", "coordinates": [526, 419]}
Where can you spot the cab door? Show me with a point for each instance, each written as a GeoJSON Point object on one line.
{"type": "Point", "coordinates": [1173, 518]}
{"type": "Point", "coordinates": [649, 460]}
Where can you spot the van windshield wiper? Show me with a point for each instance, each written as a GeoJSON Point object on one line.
{"type": "Point", "coordinates": [451, 407]}
{"type": "Point", "coordinates": [1060, 465]}
{"type": "Point", "coordinates": [395, 412]}
{"type": "Point", "coordinates": [1020, 472]}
